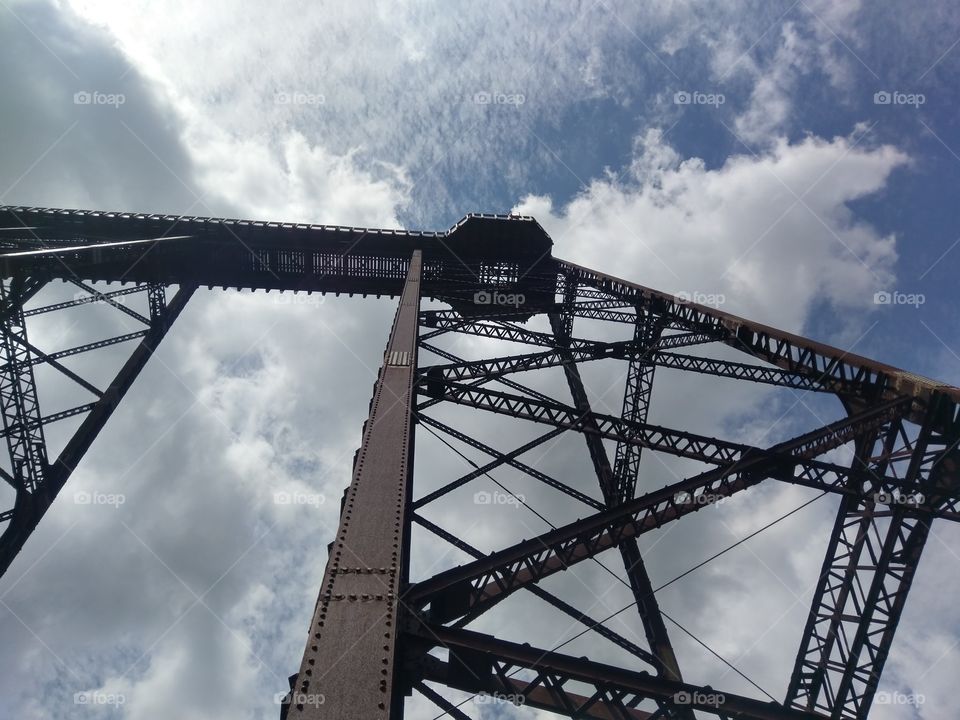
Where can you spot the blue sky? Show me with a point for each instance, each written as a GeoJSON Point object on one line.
{"type": "Point", "coordinates": [784, 188]}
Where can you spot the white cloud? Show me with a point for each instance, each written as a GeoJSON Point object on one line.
{"type": "Point", "coordinates": [773, 233]}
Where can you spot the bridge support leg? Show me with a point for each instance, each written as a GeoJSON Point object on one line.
{"type": "Point", "coordinates": [348, 668]}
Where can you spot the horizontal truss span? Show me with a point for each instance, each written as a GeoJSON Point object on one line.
{"type": "Point", "coordinates": [808, 472]}
{"type": "Point", "coordinates": [481, 663]}
{"type": "Point", "coordinates": [509, 253]}
{"type": "Point", "coordinates": [637, 353]}
{"type": "Point", "coordinates": [777, 347]}
{"type": "Point", "coordinates": [485, 582]}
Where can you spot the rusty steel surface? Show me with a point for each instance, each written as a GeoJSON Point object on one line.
{"type": "Point", "coordinates": [348, 668]}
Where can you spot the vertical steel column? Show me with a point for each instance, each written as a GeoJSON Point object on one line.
{"type": "Point", "coordinates": [636, 401]}
{"type": "Point", "coordinates": [18, 397]}
{"type": "Point", "coordinates": [348, 669]}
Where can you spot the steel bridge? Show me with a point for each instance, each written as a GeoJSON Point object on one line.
{"type": "Point", "coordinates": [384, 627]}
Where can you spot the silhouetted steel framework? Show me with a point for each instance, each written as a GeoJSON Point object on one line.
{"type": "Point", "coordinates": [374, 628]}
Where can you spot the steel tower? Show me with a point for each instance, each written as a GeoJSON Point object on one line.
{"type": "Point", "coordinates": [375, 632]}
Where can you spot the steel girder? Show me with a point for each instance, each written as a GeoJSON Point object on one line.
{"type": "Point", "coordinates": [484, 663]}
{"type": "Point", "coordinates": [636, 401]}
{"type": "Point", "coordinates": [358, 609]}
{"type": "Point", "coordinates": [22, 421]}
{"type": "Point", "coordinates": [808, 471]}
{"type": "Point", "coordinates": [633, 351]}
{"type": "Point", "coordinates": [787, 351]}
{"type": "Point", "coordinates": [868, 570]}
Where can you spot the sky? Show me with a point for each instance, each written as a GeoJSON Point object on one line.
{"type": "Point", "coordinates": [794, 162]}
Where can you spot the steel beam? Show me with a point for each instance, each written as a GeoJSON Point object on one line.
{"type": "Point", "coordinates": [812, 473]}
{"type": "Point", "coordinates": [548, 694]}
{"type": "Point", "coordinates": [650, 357]}
{"type": "Point", "coordinates": [477, 661]}
{"type": "Point", "coordinates": [867, 573]}
{"type": "Point", "coordinates": [501, 459]}
{"type": "Point", "coordinates": [348, 668]}
{"type": "Point", "coordinates": [636, 402]}
{"type": "Point", "coordinates": [785, 350]}
{"type": "Point", "coordinates": [19, 406]}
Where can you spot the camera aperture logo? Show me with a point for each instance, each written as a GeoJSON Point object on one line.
{"type": "Point", "coordinates": [483, 497]}
{"type": "Point", "coordinates": [895, 97]}
{"type": "Point", "coordinates": [492, 297]}
{"type": "Point", "coordinates": [83, 297]}
{"type": "Point", "coordinates": [295, 298]}
{"type": "Point", "coordinates": [695, 97]}
{"type": "Point", "coordinates": [88, 97]}
{"type": "Point", "coordinates": [895, 297]}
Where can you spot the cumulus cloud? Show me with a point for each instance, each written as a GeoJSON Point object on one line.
{"type": "Point", "coordinates": [772, 234]}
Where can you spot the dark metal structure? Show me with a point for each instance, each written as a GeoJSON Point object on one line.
{"type": "Point", "coordinates": [375, 631]}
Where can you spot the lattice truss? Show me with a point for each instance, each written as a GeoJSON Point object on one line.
{"type": "Point", "coordinates": [581, 378]}
{"type": "Point", "coordinates": [60, 383]}
{"type": "Point", "coordinates": [533, 543]}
